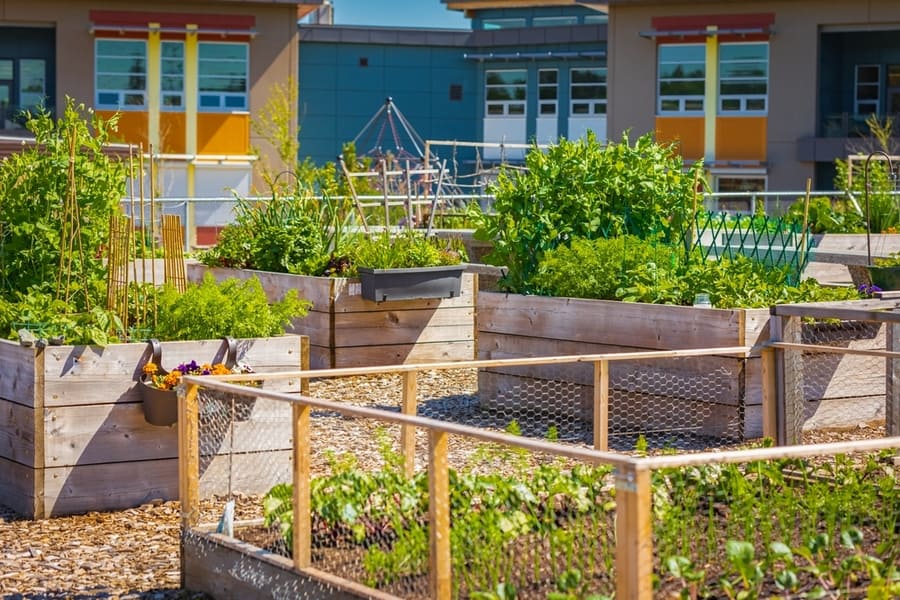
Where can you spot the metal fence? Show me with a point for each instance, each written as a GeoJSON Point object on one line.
{"type": "Point", "coordinates": [428, 481]}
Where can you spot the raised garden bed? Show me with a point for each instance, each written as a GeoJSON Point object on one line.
{"type": "Point", "coordinates": [346, 330]}
{"type": "Point", "coordinates": [73, 437]}
{"type": "Point", "coordinates": [727, 400]}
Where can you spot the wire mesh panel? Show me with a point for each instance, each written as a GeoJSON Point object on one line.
{"type": "Point", "coordinates": [826, 527]}
{"type": "Point", "coordinates": [833, 394]}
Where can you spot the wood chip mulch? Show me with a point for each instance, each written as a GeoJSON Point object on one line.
{"type": "Point", "coordinates": [129, 554]}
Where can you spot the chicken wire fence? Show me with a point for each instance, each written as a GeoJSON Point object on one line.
{"type": "Point", "coordinates": [521, 517]}
{"type": "Point", "coordinates": [835, 376]}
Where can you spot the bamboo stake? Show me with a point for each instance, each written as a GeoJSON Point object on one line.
{"type": "Point", "coordinates": [384, 189]}
{"type": "Point", "coordinates": [805, 222]}
{"type": "Point", "coordinates": [152, 227]}
{"type": "Point", "coordinates": [143, 230]}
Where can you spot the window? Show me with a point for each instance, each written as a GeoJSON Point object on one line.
{"type": "Point", "coordinates": [588, 93]}
{"type": "Point", "coordinates": [223, 76]}
{"type": "Point", "coordinates": [503, 23]}
{"type": "Point", "coordinates": [682, 74]}
{"type": "Point", "coordinates": [32, 83]}
{"type": "Point", "coordinates": [553, 21]}
{"type": "Point", "coordinates": [456, 91]}
{"type": "Point", "coordinates": [547, 92]}
{"type": "Point", "coordinates": [120, 74]}
{"type": "Point", "coordinates": [172, 83]}
{"type": "Point", "coordinates": [868, 89]}
{"type": "Point", "coordinates": [505, 93]}
{"type": "Point", "coordinates": [596, 19]}
{"type": "Point", "coordinates": [737, 193]}
{"type": "Point", "coordinates": [743, 77]}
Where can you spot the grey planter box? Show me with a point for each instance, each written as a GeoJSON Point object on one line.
{"type": "Point", "coordinates": [382, 285]}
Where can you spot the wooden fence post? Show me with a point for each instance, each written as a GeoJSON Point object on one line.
{"type": "Point", "coordinates": [601, 405]}
{"type": "Point", "coordinates": [769, 394]}
{"type": "Point", "coordinates": [892, 384]}
{"type": "Point", "coordinates": [408, 432]}
{"type": "Point", "coordinates": [302, 541]}
{"type": "Point", "coordinates": [439, 566]}
{"type": "Point", "coordinates": [794, 398]}
{"type": "Point", "coordinates": [189, 456]}
{"type": "Point", "coordinates": [634, 530]}
{"type": "Point", "coordinates": [188, 462]}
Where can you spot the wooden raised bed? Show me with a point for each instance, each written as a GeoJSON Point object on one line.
{"type": "Point", "coordinates": [512, 326]}
{"type": "Point", "coordinates": [346, 330]}
{"type": "Point", "coordinates": [842, 390]}
{"type": "Point", "coordinates": [73, 436]}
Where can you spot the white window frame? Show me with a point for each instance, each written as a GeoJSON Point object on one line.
{"type": "Point", "coordinates": [744, 100]}
{"type": "Point", "coordinates": [595, 106]}
{"type": "Point", "coordinates": [506, 106]}
{"type": "Point", "coordinates": [684, 99]}
{"type": "Point", "coordinates": [857, 103]}
{"type": "Point", "coordinates": [121, 93]}
{"type": "Point", "coordinates": [223, 98]}
{"type": "Point", "coordinates": [173, 93]}
{"type": "Point", "coordinates": [547, 102]}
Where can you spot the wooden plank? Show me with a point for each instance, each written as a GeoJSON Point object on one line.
{"type": "Point", "coordinates": [17, 376]}
{"type": "Point", "coordinates": [634, 534]}
{"type": "Point", "coordinates": [439, 558]}
{"type": "Point", "coordinates": [601, 405]}
{"type": "Point", "coordinates": [83, 488]}
{"type": "Point", "coordinates": [302, 518]}
{"type": "Point", "coordinates": [404, 353]}
{"type": "Point", "coordinates": [189, 456]}
{"type": "Point", "coordinates": [228, 569]}
{"type": "Point", "coordinates": [404, 326]}
{"type": "Point", "coordinates": [17, 488]}
{"type": "Point", "coordinates": [883, 311]}
{"type": "Point", "coordinates": [86, 375]}
{"type": "Point", "coordinates": [320, 357]}
{"type": "Point", "coordinates": [892, 394]}
{"type": "Point", "coordinates": [769, 393]}
{"type": "Point", "coordinates": [705, 378]}
{"type": "Point", "coordinates": [17, 434]}
{"type": "Point", "coordinates": [843, 413]}
{"type": "Point", "coordinates": [408, 432]}
{"type": "Point", "coordinates": [245, 473]}
{"type": "Point", "coordinates": [601, 321]}
{"type": "Point", "coordinates": [78, 435]}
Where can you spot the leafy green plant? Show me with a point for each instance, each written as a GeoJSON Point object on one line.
{"type": "Point", "coordinates": [409, 248]}
{"type": "Point", "coordinates": [210, 310]}
{"type": "Point", "coordinates": [38, 240]}
{"type": "Point", "coordinates": [635, 270]}
{"type": "Point", "coordinates": [582, 189]}
{"type": "Point", "coordinates": [826, 215]}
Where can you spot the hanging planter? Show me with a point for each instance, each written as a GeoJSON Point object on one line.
{"type": "Point", "coordinates": [418, 283]}
{"type": "Point", "coordinates": [160, 399]}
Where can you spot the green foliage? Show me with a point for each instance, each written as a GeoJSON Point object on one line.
{"type": "Point", "coordinates": [581, 189]}
{"type": "Point", "coordinates": [232, 308]}
{"type": "Point", "coordinates": [409, 248]}
{"type": "Point", "coordinates": [34, 188]}
{"type": "Point", "coordinates": [828, 216]}
{"type": "Point", "coordinates": [635, 270]}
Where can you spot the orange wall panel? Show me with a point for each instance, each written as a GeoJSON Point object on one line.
{"type": "Point", "coordinates": [686, 132]}
{"type": "Point", "coordinates": [132, 127]}
{"type": "Point", "coordinates": [171, 132]}
{"type": "Point", "coordinates": [223, 133]}
{"type": "Point", "coordinates": [741, 138]}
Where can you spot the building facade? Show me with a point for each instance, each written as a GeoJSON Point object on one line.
{"type": "Point", "coordinates": [767, 93]}
{"type": "Point", "coordinates": [185, 76]}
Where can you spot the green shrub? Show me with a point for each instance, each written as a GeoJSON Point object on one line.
{"type": "Point", "coordinates": [636, 270]}
{"type": "Point", "coordinates": [232, 308]}
{"type": "Point", "coordinates": [582, 189]}
{"type": "Point", "coordinates": [828, 216]}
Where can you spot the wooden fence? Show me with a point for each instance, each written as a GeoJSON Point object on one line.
{"type": "Point", "coordinates": [633, 529]}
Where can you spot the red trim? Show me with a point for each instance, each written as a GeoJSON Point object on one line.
{"type": "Point", "coordinates": [695, 22]}
{"type": "Point", "coordinates": [112, 18]}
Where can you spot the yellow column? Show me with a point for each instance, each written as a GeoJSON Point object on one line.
{"type": "Point", "coordinates": [191, 101]}
{"type": "Point", "coordinates": [154, 84]}
{"type": "Point", "coordinates": [711, 93]}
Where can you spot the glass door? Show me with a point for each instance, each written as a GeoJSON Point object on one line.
{"type": "Point", "coordinates": [6, 89]}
